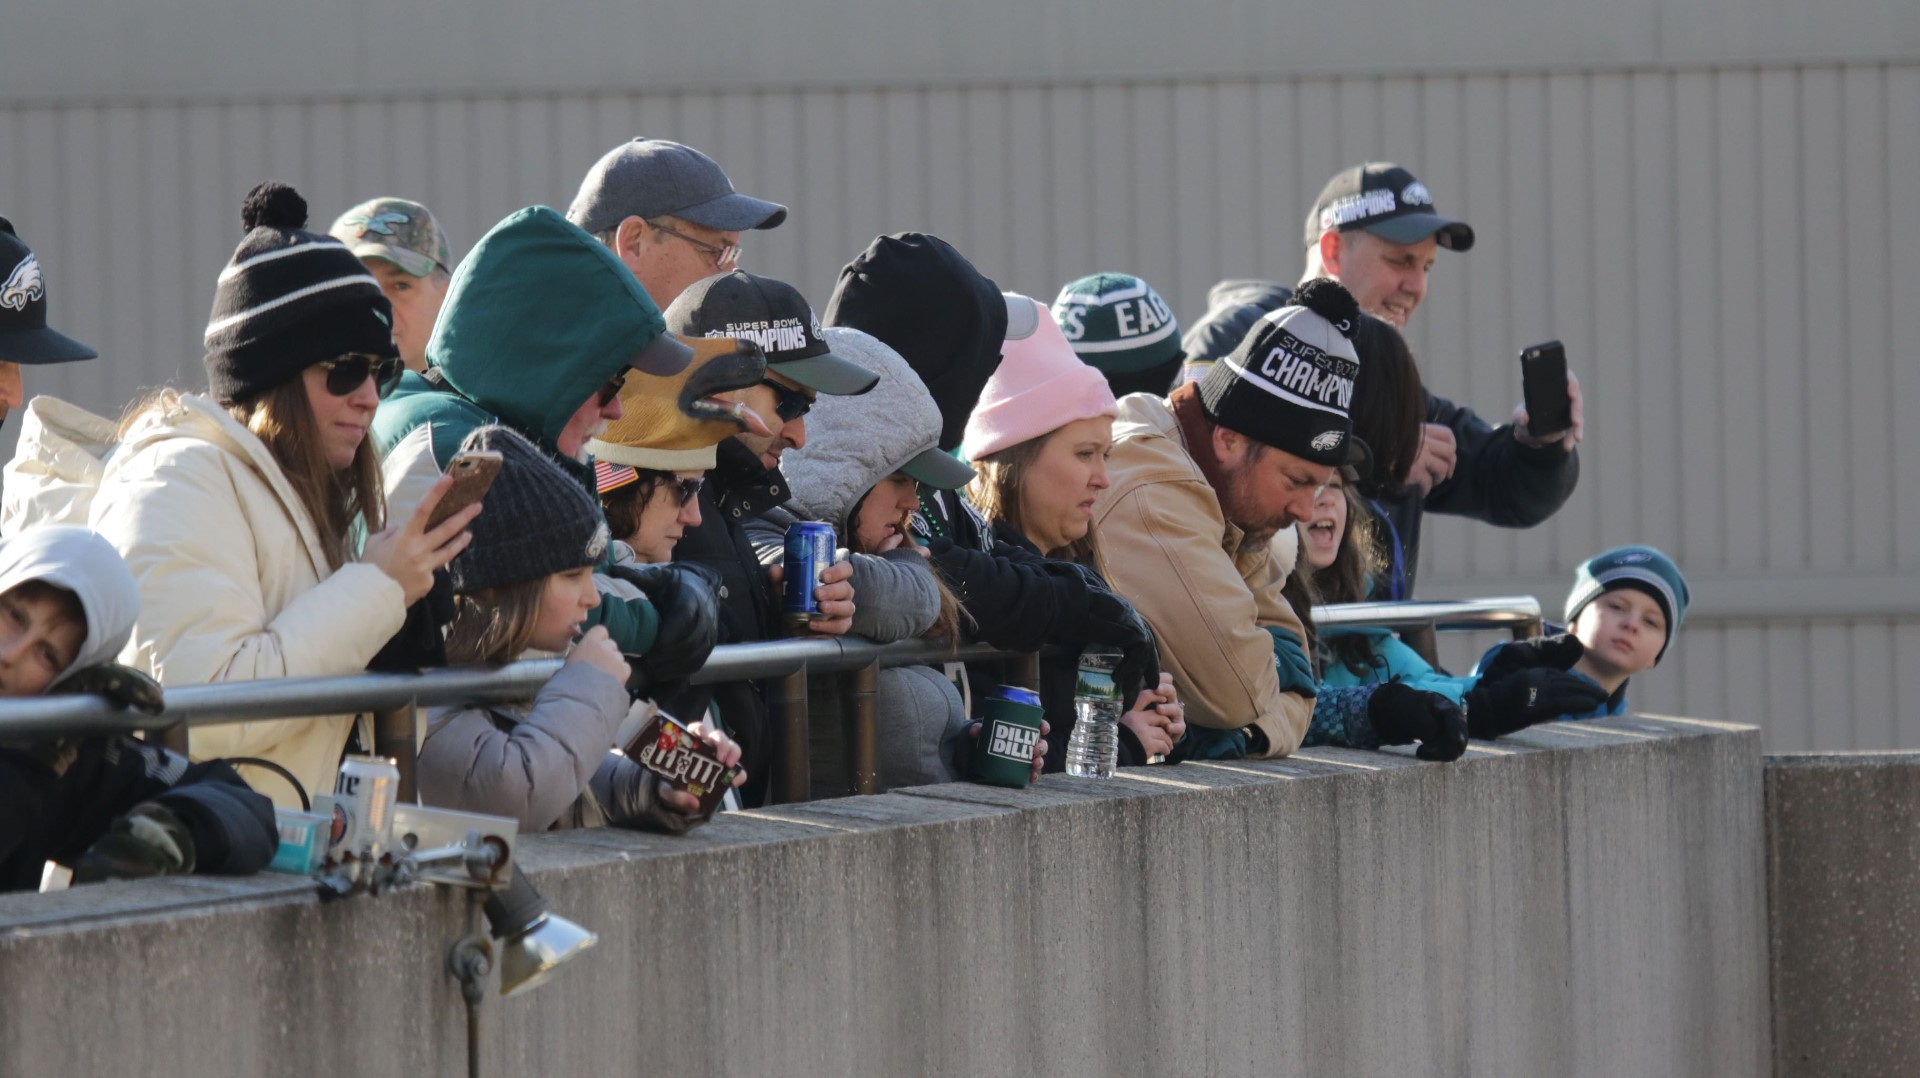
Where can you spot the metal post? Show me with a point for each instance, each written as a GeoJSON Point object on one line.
{"type": "Point", "coordinates": [862, 696]}
{"type": "Point", "coordinates": [1421, 639]}
{"type": "Point", "coordinates": [393, 737]}
{"type": "Point", "coordinates": [1024, 670]}
{"type": "Point", "coordinates": [794, 779]}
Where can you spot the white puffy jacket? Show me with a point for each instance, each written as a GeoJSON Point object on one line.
{"type": "Point", "coordinates": [57, 467]}
{"type": "Point", "coordinates": [234, 582]}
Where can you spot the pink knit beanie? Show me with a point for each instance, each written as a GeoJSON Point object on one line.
{"type": "Point", "coordinates": [1040, 386]}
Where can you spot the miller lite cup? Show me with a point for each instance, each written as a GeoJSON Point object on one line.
{"type": "Point", "coordinates": [363, 799]}
{"type": "Point", "coordinates": [809, 550]}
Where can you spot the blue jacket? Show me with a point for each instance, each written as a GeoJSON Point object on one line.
{"type": "Point", "coordinates": [1340, 709]}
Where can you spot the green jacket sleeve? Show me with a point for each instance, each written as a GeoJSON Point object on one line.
{"type": "Point", "coordinates": [632, 622]}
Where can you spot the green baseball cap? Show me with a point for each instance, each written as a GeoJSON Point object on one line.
{"type": "Point", "coordinates": [402, 232]}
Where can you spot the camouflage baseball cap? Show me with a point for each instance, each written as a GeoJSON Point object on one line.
{"type": "Point", "coordinates": [402, 232]}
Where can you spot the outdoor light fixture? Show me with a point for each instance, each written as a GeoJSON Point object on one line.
{"type": "Point", "coordinates": [534, 941]}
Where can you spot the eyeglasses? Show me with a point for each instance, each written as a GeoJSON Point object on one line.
{"type": "Point", "coordinates": [345, 373]}
{"type": "Point", "coordinates": [724, 255]}
{"type": "Point", "coordinates": [789, 403]}
{"type": "Point", "coordinates": [605, 394]}
{"type": "Point", "coordinates": [686, 490]}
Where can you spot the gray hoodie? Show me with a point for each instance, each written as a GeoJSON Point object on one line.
{"type": "Point", "coordinates": [852, 444]}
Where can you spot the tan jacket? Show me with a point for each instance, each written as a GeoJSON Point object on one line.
{"type": "Point", "coordinates": [1164, 545]}
{"type": "Point", "coordinates": [234, 583]}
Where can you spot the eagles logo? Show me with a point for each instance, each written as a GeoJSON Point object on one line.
{"type": "Point", "coordinates": [380, 223]}
{"type": "Point", "coordinates": [1326, 440]}
{"type": "Point", "coordinates": [1415, 194]}
{"type": "Point", "coordinates": [23, 285]}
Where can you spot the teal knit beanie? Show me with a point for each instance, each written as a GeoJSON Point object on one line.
{"type": "Point", "coordinates": [1117, 323]}
{"type": "Point", "coordinates": [1640, 567]}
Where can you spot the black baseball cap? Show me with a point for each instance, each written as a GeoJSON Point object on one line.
{"type": "Point", "coordinates": [1387, 201]}
{"type": "Point", "coordinates": [24, 334]}
{"type": "Point", "coordinates": [774, 315]}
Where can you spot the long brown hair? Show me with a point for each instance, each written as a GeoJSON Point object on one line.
{"type": "Point", "coordinates": [495, 625]}
{"type": "Point", "coordinates": [1389, 405]}
{"type": "Point", "coordinates": [995, 491]}
{"type": "Point", "coordinates": [283, 421]}
{"type": "Point", "coordinates": [1346, 580]}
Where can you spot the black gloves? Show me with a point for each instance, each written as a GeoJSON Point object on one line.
{"type": "Point", "coordinates": [123, 685]}
{"type": "Point", "coordinates": [147, 841]}
{"type": "Point", "coordinates": [630, 796]}
{"type": "Point", "coordinates": [682, 593]}
{"type": "Point", "coordinates": [1401, 713]}
{"type": "Point", "coordinates": [1526, 696]}
{"type": "Point", "coordinates": [1113, 622]}
{"type": "Point", "coordinates": [1559, 652]}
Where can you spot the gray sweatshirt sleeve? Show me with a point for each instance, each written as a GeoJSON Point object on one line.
{"type": "Point", "coordinates": [534, 771]}
{"type": "Point", "coordinates": [894, 596]}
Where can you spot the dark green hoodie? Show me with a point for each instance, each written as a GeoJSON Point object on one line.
{"type": "Point", "coordinates": [539, 316]}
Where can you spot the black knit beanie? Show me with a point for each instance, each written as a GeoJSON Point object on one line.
{"type": "Point", "coordinates": [537, 520]}
{"type": "Point", "coordinates": [288, 299]}
{"type": "Point", "coordinates": [1290, 382]}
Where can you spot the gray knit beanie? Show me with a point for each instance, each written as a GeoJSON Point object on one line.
{"type": "Point", "coordinates": [537, 520]}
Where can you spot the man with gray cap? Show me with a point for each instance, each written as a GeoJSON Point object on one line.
{"type": "Point", "coordinates": [25, 336]}
{"type": "Point", "coordinates": [669, 213]}
{"type": "Point", "coordinates": [1376, 230]}
{"type": "Point", "coordinates": [403, 247]}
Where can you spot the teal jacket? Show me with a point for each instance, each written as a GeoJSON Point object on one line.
{"type": "Point", "coordinates": [538, 317]}
{"type": "Point", "coordinates": [1340, 709]}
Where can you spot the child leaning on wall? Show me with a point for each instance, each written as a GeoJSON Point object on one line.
{"type": "Point", "coordinates": [1624, 611]}
{"type": "Point", "coordinates": [526, 584]}
{"type": "Point", "coordinates": [106, 806]}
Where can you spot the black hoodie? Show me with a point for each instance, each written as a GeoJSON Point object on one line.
{"type": "Point", "coordinates": [927, 302]}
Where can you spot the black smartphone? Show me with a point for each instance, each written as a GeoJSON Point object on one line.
{"type": "Point", "coordinates": [1543, 378]}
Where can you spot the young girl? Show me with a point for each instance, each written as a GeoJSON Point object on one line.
{"type": "Point", "coordinates": [238, 511]}
{"type": "Point", "coordinates": [525, 585]}
{"type": "Point", "coordinates": [1039, 440]}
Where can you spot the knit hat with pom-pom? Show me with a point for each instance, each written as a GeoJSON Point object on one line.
{"type": "Point", "coordinates": [288, 299]}
{"type": "Point", "coordinates": [1290, 382]}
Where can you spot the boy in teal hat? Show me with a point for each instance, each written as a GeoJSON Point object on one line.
{"type": "Point", "coordinates": [1625, 609]}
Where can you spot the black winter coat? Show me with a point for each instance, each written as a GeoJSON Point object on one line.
{"type": "Point", "coordinates": [737, 490]}
{"type": "Point", "coordinates": [1021, 600]}
{"type": "Point", "coordinates": [55, 817]}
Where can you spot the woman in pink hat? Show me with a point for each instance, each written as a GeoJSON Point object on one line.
{"type": "Point", "coordinates": [1039, 440]}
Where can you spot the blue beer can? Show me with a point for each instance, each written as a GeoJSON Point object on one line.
{"type": "Point", "coordinates": [810, 549]}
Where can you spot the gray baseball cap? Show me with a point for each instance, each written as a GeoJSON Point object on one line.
{"type": "Point", "coordinates": [650, 177]}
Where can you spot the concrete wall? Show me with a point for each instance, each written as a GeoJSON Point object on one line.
{"type": "Point", "coordinates": [1843, 854]}
{"type": "Point", "coordinates": [1585, 900]}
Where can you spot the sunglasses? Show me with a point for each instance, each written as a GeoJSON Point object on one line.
{"type": "Point", "coordinates": [686, 490]}
{"type": "Point", "coordinates": [723, 254]}
{"type": "Point", "coordinates": [346, 373]}
{"type": "Point", "coordinates": [789, 403]}
{"type": "Point", "coordinates": [607, 392]}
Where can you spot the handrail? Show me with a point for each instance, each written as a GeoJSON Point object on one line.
{"type": "Point", "coordinates": [287, 698]}
{"type": "Point", "coordinates": [281, 698]}
{"type": "Point", "coordinates": [1513, 613]}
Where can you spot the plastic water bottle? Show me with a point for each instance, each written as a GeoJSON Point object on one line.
{"type": "Point", "coordinates": [1094, 745]}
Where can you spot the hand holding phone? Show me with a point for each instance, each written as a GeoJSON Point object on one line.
{"type": "Point", "coordinates": [1543, 379]}
{"type": "Point", "coordinates": [473, 472]}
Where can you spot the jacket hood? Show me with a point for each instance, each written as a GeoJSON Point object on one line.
{"type": "Point", "coordinates": [89, 567]}
{"type": "Point", "coordinates": [57, 466]}
{"type": "Point", "coordinates": [855, 442]}
{"type": "Point", "coordinates": [1237, 292]}
{"type": "Point", "coordinates": [538, 317]}
{"type": "Point", "coordinates": [923, 299]}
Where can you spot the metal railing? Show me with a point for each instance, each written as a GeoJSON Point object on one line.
{"type": "Point", "coordinates": [850, 666]}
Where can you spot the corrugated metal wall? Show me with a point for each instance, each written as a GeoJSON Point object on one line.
{"type": "Point", "coordinates": [1724, 252]}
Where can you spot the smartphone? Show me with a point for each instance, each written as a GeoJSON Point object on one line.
{"type": "Point", "coordinates": [1543, 378]}
{"type": "Point", "coordinates": [473, 473]}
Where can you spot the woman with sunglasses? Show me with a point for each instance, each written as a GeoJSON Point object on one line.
{"type": "Point", "coordinates": [239, 511]}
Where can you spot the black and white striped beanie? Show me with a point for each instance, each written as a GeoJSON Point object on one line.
{"type": "Point", "coordinates": [288, 299]}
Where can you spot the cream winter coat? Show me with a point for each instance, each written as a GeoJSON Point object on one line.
{"type": "Point", "coordinates": [234, 583]}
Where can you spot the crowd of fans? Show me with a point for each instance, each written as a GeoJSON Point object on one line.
{"type": "Point", "coordinates": [1041, 478]}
